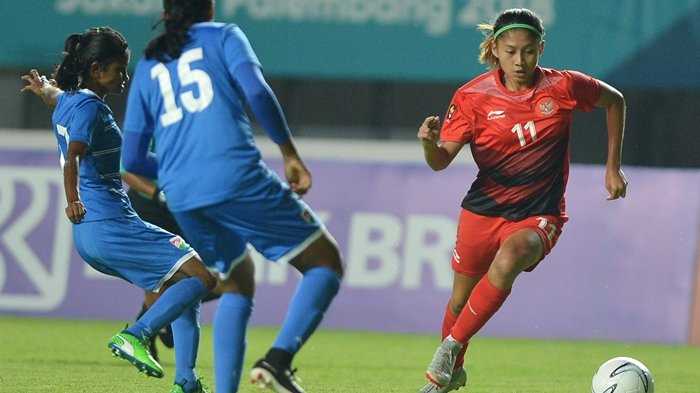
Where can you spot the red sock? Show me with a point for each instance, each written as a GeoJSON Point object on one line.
{"type": "Point", "coordinates": [447, 324]}
{"type": "Point", "coordinates": [448, 321]}
{"type": "Point", "coordinates": [484, 301]}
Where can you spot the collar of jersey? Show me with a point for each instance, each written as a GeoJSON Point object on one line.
{"type": "Point", "coordinates": [497, 75]}
{"type": "Point", "coordinates": [205, 23]}
{"type": "Point", "coordinates": [88, 92]}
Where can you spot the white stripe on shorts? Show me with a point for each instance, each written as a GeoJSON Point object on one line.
{"type": "Point", "coordinates": [236, 261]}
{"type": "Point", "coordinates": [175, 268]}
{"type": "Point", "coordinates": [305, 244]}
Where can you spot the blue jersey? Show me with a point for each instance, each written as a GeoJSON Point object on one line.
{"type": "Point", "coordinates": [81, 116]}
{"type": "Point", "coordinates": [195, 110]}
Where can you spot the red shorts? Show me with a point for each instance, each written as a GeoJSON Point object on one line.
{"type": "Point", "coordinates": [480, 237]}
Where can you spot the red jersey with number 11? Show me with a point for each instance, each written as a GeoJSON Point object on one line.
{"type": "Point", "coordinates": [519, 140]}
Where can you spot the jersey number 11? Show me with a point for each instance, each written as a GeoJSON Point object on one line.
{"type": "Point", "coordinates": [518, 130]}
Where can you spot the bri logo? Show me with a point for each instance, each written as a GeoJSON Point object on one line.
{"type": "Point", "coordinates": [493, 115]}
{"type": "Point", "coordinates": [35, 240]}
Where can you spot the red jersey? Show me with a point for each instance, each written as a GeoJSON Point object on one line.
{"type": "Point", "coordinates": [519, 140]}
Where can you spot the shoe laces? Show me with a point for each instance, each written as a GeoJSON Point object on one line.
{"type": "Point", "coordinates": [451, 354]}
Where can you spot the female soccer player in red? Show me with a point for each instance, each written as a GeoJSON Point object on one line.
{"type": "Point", "coordinates": [517, 119]}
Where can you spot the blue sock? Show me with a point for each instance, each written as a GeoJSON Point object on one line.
{"type": "Point", "coordinates": [186, 338]}
{"type": "Point", "coordinates": [180, 296]}
{"type": "Point", "coordinates": [311, 299]}
{"type": "Point", "coordinates": [230, 324]}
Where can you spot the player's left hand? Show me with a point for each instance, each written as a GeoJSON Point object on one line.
{"type": "Point", "coordinates": [298, 177]}
{"type": "Point", "coordinates": [75, 211]}
{"type": "Point", "coordinates": [616, 183]}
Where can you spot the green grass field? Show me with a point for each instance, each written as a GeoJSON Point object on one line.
{"type": "Point", "coordinates": [48, 355]}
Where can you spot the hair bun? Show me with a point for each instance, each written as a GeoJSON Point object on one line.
{"type": "Point", "coordinates": [72, 43]}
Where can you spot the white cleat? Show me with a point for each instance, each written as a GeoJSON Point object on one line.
{"type": "Point", "coordinates": [439, 370]}
{"type": "Point", "coordinates": [459, 380]}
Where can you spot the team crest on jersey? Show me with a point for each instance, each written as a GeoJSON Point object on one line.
{"type": "Point", "coordinates": [307, 217]}
{"type": "Point", "coordinates": [178, 242]}
{"type": "Point", "coordinates": [451, 111]}
{"type": "Point", "coordinates": [547, 107]}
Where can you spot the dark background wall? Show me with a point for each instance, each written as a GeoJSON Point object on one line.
{"type": "Point", "coordinates": [662, 124]}
{"type": "Point", "coordinates": [340, 79]}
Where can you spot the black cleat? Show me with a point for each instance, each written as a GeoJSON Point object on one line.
{"type": "Point", "coordinates": [280, 380]}
{"type": "Point", "coordinates": [165, 335]}
{"type": "Point", "coordinates": [153, 349]}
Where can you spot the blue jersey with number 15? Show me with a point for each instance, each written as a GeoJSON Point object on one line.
{"type": "Point", "coordinates": [195, 111]}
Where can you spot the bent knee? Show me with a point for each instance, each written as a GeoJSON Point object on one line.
{"type": "Point", "coordinates": [518, 253]}
{"type": "Point", "coordinates": [322, 253]}
{"type": "Point", "coordinates": [457, 305]}
{"type": "Point", "coordinates": [336, 263]}
{"type": "Point", "coordinates": [209, 280]}
{"type": "Point", "coordinates": [240, 280]}
{"type": "Point", "coordinates": [506, 266]}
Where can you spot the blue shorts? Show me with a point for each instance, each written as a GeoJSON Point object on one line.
{"type": "Point", "coordinates": [129, 248]}
{"type": "Point", "coordinates": [278, 224]}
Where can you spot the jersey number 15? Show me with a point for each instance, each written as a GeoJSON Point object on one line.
{"type": "Point", "coordinates": [187, 76]}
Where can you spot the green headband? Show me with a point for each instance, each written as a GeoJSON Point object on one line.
{"type": "Point", "coordinates": [516, 26]}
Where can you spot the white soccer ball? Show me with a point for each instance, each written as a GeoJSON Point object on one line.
{"type": "Point", "coordinates": [623, 375]}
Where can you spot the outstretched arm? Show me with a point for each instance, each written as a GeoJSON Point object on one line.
{"type": "Point", "coordinates": [269, 114]}
{"type": "Point", "coordinates": [437, 155]}
{"type": "Point", "coordinates": [614, 103]}
{"type": "Point", "coordinates": [41, 86]}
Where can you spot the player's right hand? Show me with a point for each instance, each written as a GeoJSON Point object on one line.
{"type": "Point", "coordinates": [298, 177]}
{"type": "Point", "coordinates": [616, 183]}
{"type": "Point", "coordinates": [36, 82]}
{"type": "Point", "coordinates": [75, 211]}
{"type": "Point", "coordinates": [429, 131]}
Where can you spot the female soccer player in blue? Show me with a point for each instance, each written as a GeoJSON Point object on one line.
{"type": "Point", "coordinates": [149, 203]}
{"type": "Point", "coordinates": [189, 93]}
{"type": "Point", "coordinates": [107, 232]}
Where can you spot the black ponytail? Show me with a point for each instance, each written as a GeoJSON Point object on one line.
{"type": "Point", "coordinates": [98, 44]}
{"type": "Point", "coordinates": [67, 74]}
{"type": "Point", "coordinates": [178, 16]}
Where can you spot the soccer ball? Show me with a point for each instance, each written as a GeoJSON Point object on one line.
{"type": "Point", "coordinates": [623, 375]}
